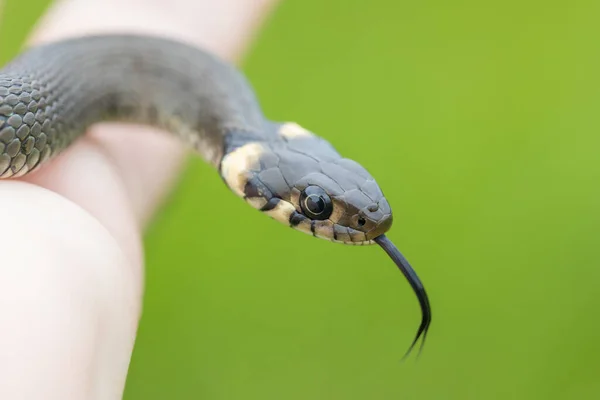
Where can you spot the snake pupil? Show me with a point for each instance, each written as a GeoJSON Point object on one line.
{"type": "Point", "coordinates": [315, 203]}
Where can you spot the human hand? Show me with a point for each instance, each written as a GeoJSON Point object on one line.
{"type": "Point", "coordinates": [71, 276]}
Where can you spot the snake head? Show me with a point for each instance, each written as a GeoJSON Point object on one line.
{"type": "Point", "coordinates": [299, 179]}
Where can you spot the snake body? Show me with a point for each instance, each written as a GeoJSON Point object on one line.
{"type": "Point", "coordinates": [51, 94]}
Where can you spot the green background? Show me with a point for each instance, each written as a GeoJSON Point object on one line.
{"type": "Point", "coordinates": [480, 120]}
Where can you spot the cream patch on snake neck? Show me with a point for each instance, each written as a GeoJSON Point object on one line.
{"type": "Point", "coordinates": [291, 130]}
{"type": "Point", "coordinates": [236, 166]}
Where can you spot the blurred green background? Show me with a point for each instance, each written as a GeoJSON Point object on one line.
{"type": "Point", "coordinates": [480, 120]}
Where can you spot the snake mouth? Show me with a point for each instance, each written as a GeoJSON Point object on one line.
{"type": "Point", "coordinates": [382, 227]}
{"type": "Point", "coordinates": [414, 281]}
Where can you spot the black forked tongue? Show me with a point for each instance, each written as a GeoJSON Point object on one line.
{"type": "Point", "coordinates": [417, 286]}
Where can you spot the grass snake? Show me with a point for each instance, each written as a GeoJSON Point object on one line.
{"type": "Point", "coordinates": [51, 94]}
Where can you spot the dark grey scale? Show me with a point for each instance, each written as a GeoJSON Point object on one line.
{"type": "Point", "coordinates": [313, 147]}
{"type": "Point", "coordinates": [13, 148]}
{"type": "Point", "coordinates": [256, 188]}
{"type": "Point", "coordinates": [295, 166]}
{"type": "Point", "coordinates": [24, 130]}
{"type": "Point", "coordinates": [4, 162]}
{"type": "Point", "coordinates": [271, 204]}
{"type": "Point", "coordinates": [18, 163]}
{"type": "Point", "coordinates": [33, 159]}
{"type": "Point", "coordinates": [7, 133]}
{"type": "Point", "coordinates": [41, 139]}
{"type": "Point", "coordinates": [28, 144]}
{"type": "Point", "coordinates": [336, 233]}
{"type": "Point", "coordinates": [341, 176]}
{"type": "Point", "coordinates": [269, 160]}
{"type": "Point", "coordinates": [341, 233]}
{"type": "Point", "coordinates": [273, 179]}
{"type": "Point", "coordinates": [355, 235]}
{"type": "Point", "coordinates": [357, 197]}
{"type": "Point", "coordinates": [296, 218]}
{"type": "Point", "coordinates": [370, 187]}
{"type": "Point", "coordinates": [319, 179]}
{"type": "Point", "coordinates": [385, 206]}
{"type": "Point", "coordinates": [5, 110]}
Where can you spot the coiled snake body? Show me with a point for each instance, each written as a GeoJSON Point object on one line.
{"type": "Point", "coordinates": [51, 94]}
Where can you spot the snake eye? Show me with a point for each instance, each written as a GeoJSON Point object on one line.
{"type": "Point", "coordinates": [315, 203]}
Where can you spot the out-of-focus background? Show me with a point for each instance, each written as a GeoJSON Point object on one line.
{"type": "Point", "coordinates": [481, 121]}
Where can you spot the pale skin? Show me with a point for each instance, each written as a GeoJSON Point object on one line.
{"type": "Point", "coordinates": [71, 277]}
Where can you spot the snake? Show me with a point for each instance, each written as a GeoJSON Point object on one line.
{"type": "Point", "coordinates": [52, 93]}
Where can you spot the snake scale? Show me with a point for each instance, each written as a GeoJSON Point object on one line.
{"type": "Point", "coordinates": [51, 94]}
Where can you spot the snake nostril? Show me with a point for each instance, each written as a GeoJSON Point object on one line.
{"type": "Point", "coordinates": [361, 221]}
